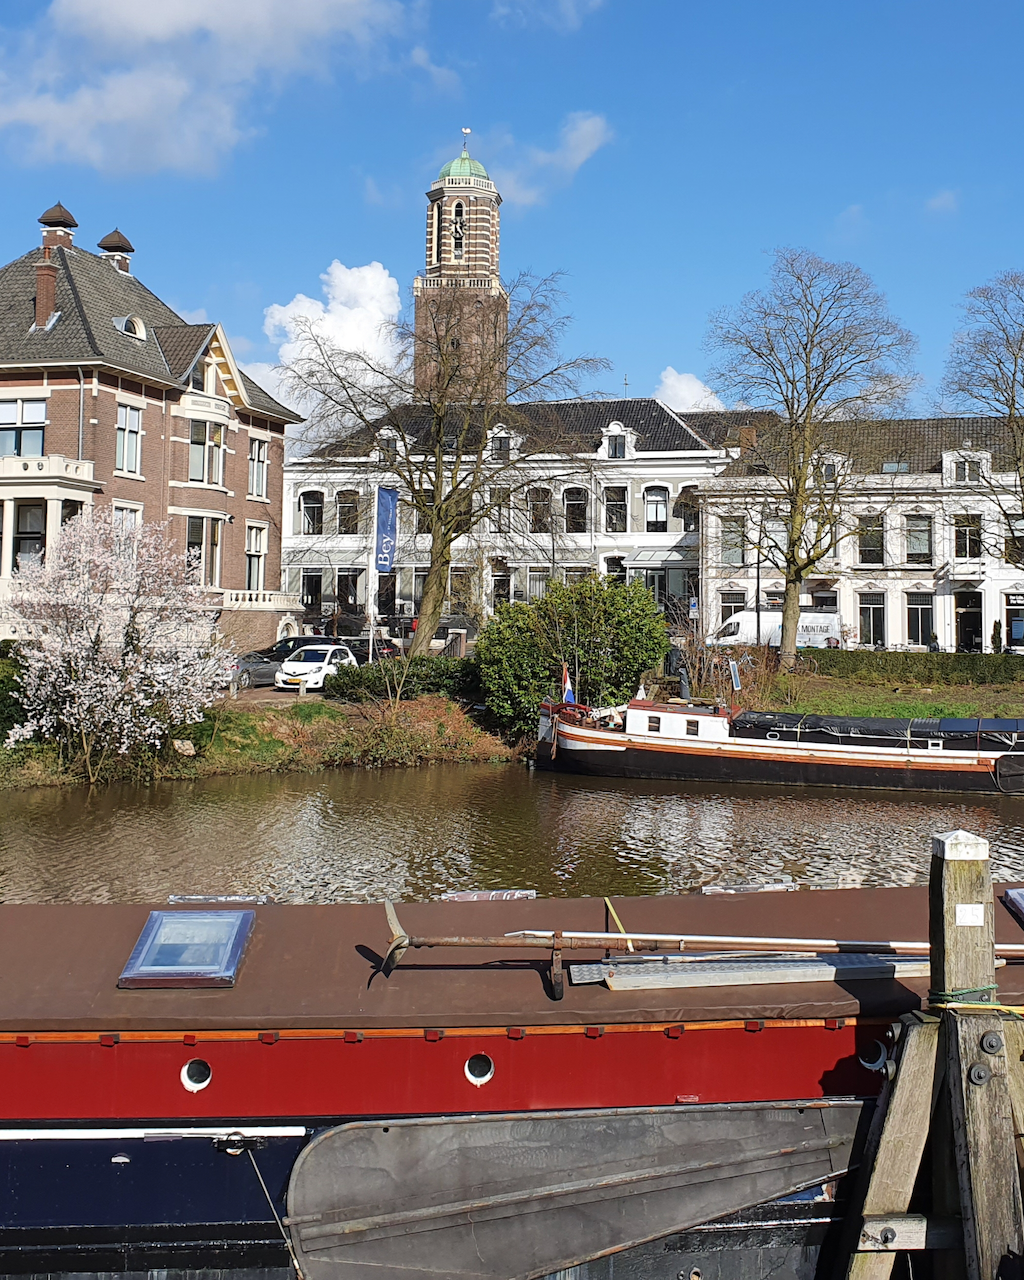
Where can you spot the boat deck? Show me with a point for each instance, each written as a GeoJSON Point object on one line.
{"type": "Point", "coordinates": [317, 966]}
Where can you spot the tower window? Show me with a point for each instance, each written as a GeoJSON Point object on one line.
{"type": "Point", "coordinates": [436, 239]}
{"type": "Point", "coordinates": [458, 229]}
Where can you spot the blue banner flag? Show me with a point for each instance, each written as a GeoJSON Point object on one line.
{"type": "Point", "coordinates": [387, 529]}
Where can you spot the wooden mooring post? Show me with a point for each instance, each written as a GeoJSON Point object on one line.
{"type": "Point", "coordinates": [958, 1081]}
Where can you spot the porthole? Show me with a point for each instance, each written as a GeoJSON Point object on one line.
{"type": "Point", "coordinates": [196, 1074]}
{"type": "Point", "coordinates": [479, 1069]}
{"type": "Point", "coordinates": [772, 735]}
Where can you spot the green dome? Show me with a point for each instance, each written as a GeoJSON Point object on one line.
{"type": "Point", "coordinates": [463, 166]}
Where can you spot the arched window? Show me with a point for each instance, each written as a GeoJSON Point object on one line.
{"type": "Point", "coordinates": [656, 509]}
{"type": "Point", "coordinates": [436, 239]}
{"type": "Point", "coordinates": [685, 508]}
{"type": "Point", "coordinates": [540, 510]}
{"type": "Point", "coordinates": [458, 228]}
{"type": "Point", "coordinates": [311, 511]}
{"type": "Point", "coordinates": [575, 510]}
{"type": "Point", "coordinates": [348, 511]}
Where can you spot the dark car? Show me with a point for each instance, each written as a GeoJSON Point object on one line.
{"type": "Point", "coordinates": [254, 668]}
{"type": "Point", "coordinates": [360, 646]}
{"type": "Point", "coordinates": [280, 650]}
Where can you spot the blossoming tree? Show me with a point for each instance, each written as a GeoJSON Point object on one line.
{"type": "Point", "coordinates": [117, 642]}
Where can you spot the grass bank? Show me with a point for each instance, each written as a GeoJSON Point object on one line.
{"type": "Point", "coordinates": [302, 737]}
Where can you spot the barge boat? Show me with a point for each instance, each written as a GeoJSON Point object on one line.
{"type": "Point", "coordinates": [698, 743]}
{"type": "Point", "coordinates": [368, 1091]}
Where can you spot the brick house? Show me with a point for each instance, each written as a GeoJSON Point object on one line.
{"type": "Point", "coordinates": [109, 396]}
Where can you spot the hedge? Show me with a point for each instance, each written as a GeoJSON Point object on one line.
{"type": "Point", "coordinates": [920, 668]}
{"type": "Point", "coordinates": [456, 678]}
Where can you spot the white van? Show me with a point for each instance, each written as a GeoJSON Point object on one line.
{"type": "Point", "coordinates": [814, 630]}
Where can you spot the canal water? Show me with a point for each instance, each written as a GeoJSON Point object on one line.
{"type": "Point", "coordinates": [360, 835]}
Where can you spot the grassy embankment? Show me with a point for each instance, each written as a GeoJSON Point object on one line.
{"type": "Point", "coordinates": [303, 736]}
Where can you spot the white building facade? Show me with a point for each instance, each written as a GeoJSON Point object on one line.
{"type": "Point", "coordinates": [928, 547]}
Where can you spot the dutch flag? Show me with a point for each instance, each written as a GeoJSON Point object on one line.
{"type": "Point", "coordinates": [567, 693]}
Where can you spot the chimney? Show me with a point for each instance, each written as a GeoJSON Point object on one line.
{"type": "Point", "coordinates": [58, 227]}
{"type": "Point", "coordinates": [116, 248]}
{"type": "Point", "coordinates": [748, 439]}
{"type": "Point", "coordinates": [46, 289]}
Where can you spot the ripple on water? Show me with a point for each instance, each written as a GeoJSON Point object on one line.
{"type": "Point", "coordinates": [356, 835]}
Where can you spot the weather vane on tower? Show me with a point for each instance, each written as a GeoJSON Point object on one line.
{"type": "Point", "coordinates": [465, 139]}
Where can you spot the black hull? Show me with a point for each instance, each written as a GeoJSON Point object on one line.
{"type": "Point", "coordinates": [646, 762]}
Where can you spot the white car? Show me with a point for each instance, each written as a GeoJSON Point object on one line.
{"type": "Point", "coordinates": [313, 664]}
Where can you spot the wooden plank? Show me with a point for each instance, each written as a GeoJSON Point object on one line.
{"type": "Point", "coordinates": [1014, 1032]}
{"type": "Point", "coordinates": [961, 928]}
{"type": "Point", "coordinates": [901, 1141]}
{"type": "Point", "coordinates": [895, 1232]}
{"type": "Point", "coordinates": [983, 1136]}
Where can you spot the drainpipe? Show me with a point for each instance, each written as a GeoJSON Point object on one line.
{"type": "Point", "coordinates": [81, 412]}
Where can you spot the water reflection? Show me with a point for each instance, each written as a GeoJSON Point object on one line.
{"type": "Point", "coordinates": [360, 835]}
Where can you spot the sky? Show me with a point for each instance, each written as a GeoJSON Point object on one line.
{"type": "Point", "coordinates": [269, 158]}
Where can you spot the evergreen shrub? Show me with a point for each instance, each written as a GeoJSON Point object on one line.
{"type": "Point", "coordinates": [455, 678]}
{"type": "Point", "coordinates": [607, 633]}
{"type": "Point", "coordinates": [919, 668]}
{"type": "Point", "coordinates": [11, 710]}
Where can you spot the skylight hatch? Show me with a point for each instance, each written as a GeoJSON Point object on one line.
{"type": "Point", "coordinates": [189, 949]}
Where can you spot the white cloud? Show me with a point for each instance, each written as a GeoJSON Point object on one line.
{"type": "Point", "coordinates": [563, 15]}
{"type": "Point", "coordinates": [851, 223]}
{"type": "Point", "coordinates": [198, 316]}
{"type": "Point", "coordinates": [946, 201]}
{"type": "Point", "coordinates": [442, 78]}
{"type": "Point", "coordinates": [130, 86]}
{"type": "Point", "coordinates": [683, 391]}
{"type": "Point", "coordinates": [529, 172]}
{"type": "Point", "coordinates": [360, 303]}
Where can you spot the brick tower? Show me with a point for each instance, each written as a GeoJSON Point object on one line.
{"type": "Point", "coordinates": [460, 292]}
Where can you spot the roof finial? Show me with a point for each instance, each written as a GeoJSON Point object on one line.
{"type": "Point", "coordinates": [465, 140]}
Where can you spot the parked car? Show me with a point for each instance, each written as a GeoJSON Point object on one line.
{"type": "Point", "coordinates": [253, 669]}
{"type": "Point", "coordinates": [360, 647]}
{"type": "Point", "coordinates": [280, 649]}
{"type": "Point", "coordinates": [313, 664]}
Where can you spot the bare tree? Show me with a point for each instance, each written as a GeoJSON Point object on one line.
{"type": "Point", "coordinates": [818, 347]}
{"type": "Point", "coordinates": [466, 366]}
{"type": "Point", "coordinates": [985, 375]}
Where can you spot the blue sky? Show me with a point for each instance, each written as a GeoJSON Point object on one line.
{"type": "Point", "coordinates": [655, 150]}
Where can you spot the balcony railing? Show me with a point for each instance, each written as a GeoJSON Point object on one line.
{"type": "Point", "coordinates": [262, 600]}
{"type": "Point", "coordinates": [50, 468]}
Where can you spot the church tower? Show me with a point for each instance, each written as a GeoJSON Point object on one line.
{"type": "Point", "coordinates": [460, 289]}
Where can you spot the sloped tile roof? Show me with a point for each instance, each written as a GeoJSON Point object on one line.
{"type": "Point", "coordinates": [917, 442]}
{"type": "Point", "coordinates": [575, 425]}
{"type": "Point", "coordinates": [91, 295]}
{"type": "Point", "coordinates": [182, 345]}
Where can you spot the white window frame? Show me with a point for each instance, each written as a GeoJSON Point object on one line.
{"type": "Point", "coordinates": [128, 440]}
{"type": "Point", "coordinates": [256, 542]}
{"type": "Point", "coordinates": [258, 467]}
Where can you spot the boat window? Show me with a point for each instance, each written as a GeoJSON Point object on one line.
{"type": "Point", "coordinates": [654, 724]}
{"type": "Point", "coordinates": [188, 949]}
{"type": "Point", "coordinates": [479, 1069]}
{"type": "Point", "coordinates": [934, 744]}
{"type": "Point", "coordinates": [196, 1074]}
{"type": "Point", "coordinates": [692, 728]}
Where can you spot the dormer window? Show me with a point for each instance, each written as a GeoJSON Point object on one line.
{"type": "Point", "coordinates": [617, 446]}
{"type": "Point", "coordinates": [895, 468]}
{"type": "Point", "coordinates": [198, 379]}
{"type": "Point", "coordinates": [132, 326]}
{"type": "Point", "coordinates": [967, 471]}
{"type": "Point", "coordinates": [501, 448]}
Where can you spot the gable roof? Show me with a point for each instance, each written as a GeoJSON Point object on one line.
{"type": "Point", "coordinates": [91, 295]}
{"type": "Point", "coordinates": [575, 425]}
{"type": "Point", "coordinates": [917, 442]}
